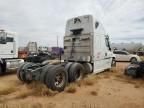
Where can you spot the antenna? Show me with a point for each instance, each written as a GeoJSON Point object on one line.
{"type": "Point", "coordinates": [59, 50]}
{"type": "Point", "coordinates": [57, 42]}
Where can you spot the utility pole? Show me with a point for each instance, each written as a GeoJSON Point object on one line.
{"type": "Point", "coordinates": [57, 42]}
{"type": "Point", "coordinates": [59, 50]}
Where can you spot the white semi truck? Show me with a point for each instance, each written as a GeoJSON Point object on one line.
{"type": "Point", "coordinates": [86, 50]}
{"type": "Point", "coordinates": [8, 52]}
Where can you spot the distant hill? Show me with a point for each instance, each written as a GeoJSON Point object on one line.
{"type": "Point", "coordinates": [127, 46]}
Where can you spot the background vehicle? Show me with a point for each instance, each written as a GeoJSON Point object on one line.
{"type": "Point", "coordinates": [22, 52]}
{"type": "Point", "coordinates": [135, 70]}
{"type": "Point", "coordinates": [140, 53]}
{"type": "Point", "coordinates": [8, 52]}
{"type": "Point", "coordinates": [86, 50]}
{"type": "Point", "coordinates": [32, 48]}
{"type": "Point", "coordinates": [39, 58]}
{"type": "Point", "coordinates": [125, 56]}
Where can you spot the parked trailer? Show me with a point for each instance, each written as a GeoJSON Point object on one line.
{"type": "Point", "coordinates": [8, 52]}
{"type": "Point", "coordinates": [86, 50]}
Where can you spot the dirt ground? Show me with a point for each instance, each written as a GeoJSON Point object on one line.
{"type": "Point", "coordinates": [110, 89]}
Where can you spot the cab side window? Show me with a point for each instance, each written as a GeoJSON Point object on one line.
{"type": "Point", "coordinates": [10, 39]}
{"type": "Point", "coordinates": [96, 25]}
{"type": "Point", "coordinates": [107, 43]}
{"type": "Point", "coordinates": [120, 52]}
{"type": "Point", "coordinates": [3, 39]}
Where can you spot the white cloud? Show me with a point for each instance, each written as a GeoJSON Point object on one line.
{"type": "Point", "coordinates": [43, 21]}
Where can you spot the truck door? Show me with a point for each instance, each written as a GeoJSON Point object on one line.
{"type": "Point", "coordinates": [103, 54]}
{"type": "Point", "coordinates": [108, 54]}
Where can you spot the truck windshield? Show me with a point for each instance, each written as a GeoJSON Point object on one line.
{"type": "Point", "coordinates": [77, 31]}
{"type": "Point", "coordinates": [3, 37]}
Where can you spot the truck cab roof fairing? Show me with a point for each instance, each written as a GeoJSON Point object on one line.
{"type": "Point", "coordinates": [82, 23]}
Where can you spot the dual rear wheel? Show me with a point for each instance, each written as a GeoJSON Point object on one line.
{"type": "Point", "coordinates": [21, 72]}
{"type": "Point", "coordinates": [76, 72]}
{"type": "Point", "coordinates": [56, 77]}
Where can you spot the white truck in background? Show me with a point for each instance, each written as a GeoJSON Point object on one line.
{"type": "Point", "coordinates": [8, 52]}
{"type": "Point", "coordinates": [86, 51]}
{"type": "Point", "coordinates": [32, 48]}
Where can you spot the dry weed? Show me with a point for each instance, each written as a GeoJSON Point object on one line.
{"type": "Point", "coordinates": [137, 86]}
{"type": "Point", "coordinates": [7, 91]}
{"type": "Point", "coordinates": [35, 89]}
{"type": "Point", "coordinates": [48, 92]}
{"type": "Point", "coordinates": [36, 105]}
{"type": "Point", "coordinates": [94, 93]}
{"type": "Point", "coordinates": [90, 80]}
{"type": "Point", "coordinates": [106, 75]}
{"type": "Point", "coordinates": [114, 70]}
{"type": "Point", "coordinates": [119, 75]}
{"type": "Point", "coordinates": [41, 90]}
{"type": "Point", "coordinates": [71, 88]}
{"type": "Point", "coordinates": [24, 94]}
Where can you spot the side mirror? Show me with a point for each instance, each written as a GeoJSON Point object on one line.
{"type": "Point", "coordinates": [107, 42]}
{"type": "Point", "coordinates": [110, 48]}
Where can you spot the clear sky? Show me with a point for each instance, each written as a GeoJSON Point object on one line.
{"type": "Point", "coordinates": [44, 20]}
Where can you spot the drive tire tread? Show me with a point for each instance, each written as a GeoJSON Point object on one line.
{"type": "Point", "coordinates": [72, 72]}
{"type": "Point", "coordinates": [50, 78]}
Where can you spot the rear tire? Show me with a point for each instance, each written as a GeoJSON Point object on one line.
{"type": "Point", "coordinates": [21, 72]}
{"type": "Point", "coordinates": [68, 65]}
{"type": "Point", "coordinates": [76, 72]}
{"type": "Point", "coordinates": [57, 78]}
{"type": "Point", "coordinates": [44, 73]}
{"type": "Point", "coordinates": [133, 60]}
{"type": "Point", "coordinates": [88, 68]}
